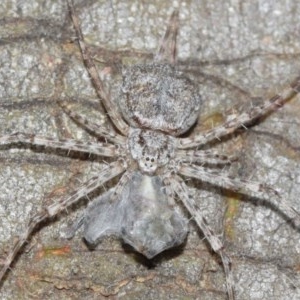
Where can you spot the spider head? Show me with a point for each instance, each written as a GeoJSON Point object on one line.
{"type": "Point", "coordinates": [149, 160]}
{"type": "Point", "coordinates": [151, 149]}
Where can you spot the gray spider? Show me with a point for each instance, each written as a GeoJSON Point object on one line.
{"type": "Point", "coordinates": [157, 105]}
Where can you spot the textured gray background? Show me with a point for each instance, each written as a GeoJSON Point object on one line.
{"type": "Point", "coordinates": [239, 53]}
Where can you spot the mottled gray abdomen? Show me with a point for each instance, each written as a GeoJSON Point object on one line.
{"type": "Point", "coordinates": [156, 96]}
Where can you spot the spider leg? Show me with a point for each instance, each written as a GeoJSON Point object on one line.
{"type": "Point", "coordinates": [115, 194]}
{"type": "Point", "coordinates": [109, 172]}
{"type": "Point", "coordinates": [98, 129]}
{"type": "Point", "coordinates": [91, 68]}
{"type": "Point", "coordinates": [216, 244]}
{"type": "Point", "coordinates": [243, 119]}
{"type": "Point", "coordinates": [167, 48]}
{"type": "Point", "coordinates": [102, 149]}
{"type": "Point", "coordinates": [250, 188]}
{"type": "Point", "coordinates": [120, 185]}
{"type": "Point", "coordinates": [203, 157]}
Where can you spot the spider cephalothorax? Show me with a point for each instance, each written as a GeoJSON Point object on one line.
{"type": "Point", "coordinates": [151, 149]}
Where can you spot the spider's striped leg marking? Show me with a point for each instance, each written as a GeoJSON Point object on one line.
{"type": "Point", "coordinates": [243, 119]}
{"type": "Point", "coordinates": [237, 185]}
{"type": "Point", "coordinates": [102, 149]}
{"type": "Point", "coordinates": [98, 129]}
{"type": "Point", "coordinates": [203, 157]}
{"type": "Point", "coordinates": [111, 171]}
{"type": "Point", "coordinates": [167, 49]}
{"type": "Point", "coordinates": [91, 68]}
{"type": "Point", "coordinates": [216, 244]}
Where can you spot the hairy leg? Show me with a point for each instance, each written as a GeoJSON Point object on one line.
{"type": "Point", "coordinates": [102, 149]}
{"type": "Point", "coordinates": [253, 189]}
{"type": "Point", "coordinates": [203, 157]}
{"type": "Point", "coordinates": [243, 119]}
{"type": "Point", "coordinates": [52, 210]}
{"type": "Point", "coordinates": [167, 50]}
{"type": "Point", "coordinates": [215, 242]}
{"type": "Point", "coordinates": [91, 68]}
{"type": "Point", "coordinates": [99, 130]}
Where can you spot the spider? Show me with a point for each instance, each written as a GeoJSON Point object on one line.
{"type": "Point", "coordinates": [157, 106]}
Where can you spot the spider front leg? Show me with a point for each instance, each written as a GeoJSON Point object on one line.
{"type": "Point", "coordinates": [96, 209]}
{"type": "Point", "coordinates": [243, 119]}
{"type": "Point", "coordinates": [109, 172]}
{"type": "Point", "coordinates": [203, 157]}
{"type": "Point", "coordinates": [101, 149]}
{"type": "Point", "coordinates": [216, 244]}
{"type": "Point", "coordinates": [253, 189]}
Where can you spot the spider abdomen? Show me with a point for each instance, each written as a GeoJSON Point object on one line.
{"type": "Point", "coordinates": [156, 96]}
